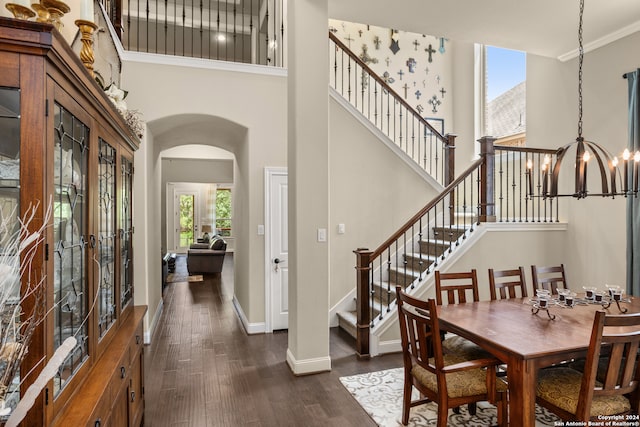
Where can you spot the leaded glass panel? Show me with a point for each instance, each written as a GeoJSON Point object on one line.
{"type": "Point", "coordinates": [71, 137]}
{"type": "Point", "coordinates": [126, 230]}
{"type": "Point", "coordinates": [106, 236]}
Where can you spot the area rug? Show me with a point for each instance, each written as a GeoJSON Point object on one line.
{"type": "Point", "coordinates": [174, 278]}
{"type": "Point", "coordinates": [380, 395]}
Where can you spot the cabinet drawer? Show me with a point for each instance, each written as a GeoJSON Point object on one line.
{"type": "Point", "coordinates": [135, 345]}
{"type": "Point", "coordinates": [100, 417]}
{"type": "Point", "coordinates": [120, 376]}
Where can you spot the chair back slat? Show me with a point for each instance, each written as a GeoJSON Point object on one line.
{"type": "Point", "coordinates": [460, 285]}
{"type": "Point", "coordinates": [550, 278]}
{"type": "Point", "coordinates": [506, 283]}
{"type": "Point", "coordinates": [418, 330]}
{"type": "Point", "coordinates": [618, 338]}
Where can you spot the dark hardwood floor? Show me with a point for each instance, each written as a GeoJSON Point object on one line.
{"type": "Point", "coordinates": [202, 369]}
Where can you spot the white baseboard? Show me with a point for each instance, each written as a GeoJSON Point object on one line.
{"type": "Point", "coordinates": [383, 347]}
{"type": "Point", "coordinates": [250, 328]}
{"type": "Point", "coordinates": [308, 366]}
{"type": "Point", "coordinates": [154, 323]}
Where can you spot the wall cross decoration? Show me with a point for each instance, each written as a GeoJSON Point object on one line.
{"type": "Point", "coordinates": [405, 87]}
{"type": "Point", "coordinates": [418, 93]}
{"type": "Point", "coordinates": [387, 78]}
{"type": "Point", "coordinates": [395, 47]}
{"type": "Point", "coordinates": [430, 50]}
{"type": "Point", "coordinates": [401, 73]}
{"type": "Point", "coordinates": [411, 64]}
{"type": "Point", "coordinates": [442, 91]}
{"type": "Point", "coordinates": [420, 108]}
{"type": "Point", "coordinates": [377, 41]}
{"type": "Point", "coordinates": [349, 40]}
{"type": "Point", "coordinates": [365, 56]}
{"type": "Point", "coordinates": [416, 43]}
{"type": "Point", "coordinates": [435, 102]}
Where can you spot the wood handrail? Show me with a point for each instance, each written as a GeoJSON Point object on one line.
{"type": "Point", "coordinates": [425, 209]}
{"type": "Point", "coordinates": [387, 88]}
{"type": "Point", "coordinates": [526, 149]}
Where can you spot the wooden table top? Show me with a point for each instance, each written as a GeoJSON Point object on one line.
{"type": "Point", "coordinates": [508, 327]}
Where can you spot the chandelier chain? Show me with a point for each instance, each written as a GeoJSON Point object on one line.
{"type": "Point", "coordinates": [580, 60]}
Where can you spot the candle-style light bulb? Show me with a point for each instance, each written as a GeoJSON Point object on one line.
{"type": "Point", "coordinates": [614, 162]}
{"type": "Point", "coordinates": [585, 159]}
{"type": "Point", "coordinates": [529, 177]}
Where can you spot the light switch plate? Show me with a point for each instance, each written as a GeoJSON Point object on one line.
{"type": "Point", "coordinates": [322, 234]}
{"type": "Point", "coordinates": [260, 230]}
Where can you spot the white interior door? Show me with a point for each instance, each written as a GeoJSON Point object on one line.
{"type": "Point", "coordinates": [277, 249]}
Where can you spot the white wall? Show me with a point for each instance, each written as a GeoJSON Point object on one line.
{"type": "Point", "coordinates": [205, 105]}
{"type": "Point", "coordinates": [596, 238]}
{"type": "Point", "coordinates": [373, 193]}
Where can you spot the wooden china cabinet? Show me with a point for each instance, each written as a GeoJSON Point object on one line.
{"type": "Point", "coordinates": [64, 145]}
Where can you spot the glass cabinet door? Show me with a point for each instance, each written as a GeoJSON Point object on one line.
{"type": "Point", "coordinates": [126, 231]}
{"type": "Point", "coordinates": [71, 138]}
{"type": "Point", "coordinates": [9, 213]}
{"type": "Point", "coordinates": [9, 160]}
{"type": "Point", "coordinates": [106, 237]}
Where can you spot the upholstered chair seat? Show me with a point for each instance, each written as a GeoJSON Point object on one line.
{"type": "Point", "coordinates": [459, 384]}
{"type": "Point", "coordinates": [561, 387]}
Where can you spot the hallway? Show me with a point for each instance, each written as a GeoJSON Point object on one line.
{"type": "Point", "coordinates": [202, 369]}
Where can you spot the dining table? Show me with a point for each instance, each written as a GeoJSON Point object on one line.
{"type": "Point", "coordinates": [527, 338]}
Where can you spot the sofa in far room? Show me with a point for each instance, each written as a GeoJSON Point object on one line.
{"type": "Point", "coordinates": [207, 258]}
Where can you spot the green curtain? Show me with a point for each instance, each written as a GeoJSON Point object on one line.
{"type": "Point", "coordinates": [633, 203]}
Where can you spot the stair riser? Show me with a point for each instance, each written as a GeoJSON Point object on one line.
{"type": "Point", "coordinates": [414, 263]}
{"type": "Point", "coordinates": [433, 248]}
{"type": "Point", "coordinates": [444, 233]}
{"type": "Point", "coordinates": [399, 278]}
{"type": "Point", "coordinates": [381, 291]}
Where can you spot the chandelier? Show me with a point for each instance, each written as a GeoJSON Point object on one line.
{"type": "Point", "coordinates": [586, 152]}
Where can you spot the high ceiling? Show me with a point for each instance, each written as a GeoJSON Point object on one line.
{"type": "Point", "coordinates": [542, 27]}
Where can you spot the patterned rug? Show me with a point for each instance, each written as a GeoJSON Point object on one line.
{"type": "Point", "coordinates": [173, 278]}
{"type": "Point", "coordinates": [380, 395]}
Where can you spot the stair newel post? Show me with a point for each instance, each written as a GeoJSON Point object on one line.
{"type": "Point", "coordinates": [363, 311]}
{"type": "Point", "coordinates": [487, 179]}
{"type": "Point", "coordinates": [450, 170]}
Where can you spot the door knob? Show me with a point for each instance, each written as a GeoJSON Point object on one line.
{"type": "Point", "coordinates": [277, 260]}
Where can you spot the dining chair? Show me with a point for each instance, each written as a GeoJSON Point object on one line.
{"type": "Point", "coordinates": [550, 278]}
{"type": "Point", "coordinates": [457, 287]}
{"type": "Point", "coordinates": [580, 396]}
{"type": "Point", "coordinates": [446, 379]}
{"type": "Point", "coordinates": [507, 283]}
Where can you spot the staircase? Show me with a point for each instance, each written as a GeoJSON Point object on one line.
{"type": "Point", "coordinates": [501, 186]}
{"type": "Point", "coordinates": [414, 266]}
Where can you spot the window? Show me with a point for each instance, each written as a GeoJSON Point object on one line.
{"type": "Point", "coordinates": [505, 99]}
{"type": "Point", "coordinates": [223, 212]}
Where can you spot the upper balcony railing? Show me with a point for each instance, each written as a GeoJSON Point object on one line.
{"type": "Point", "coordinates": [246, 31]}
